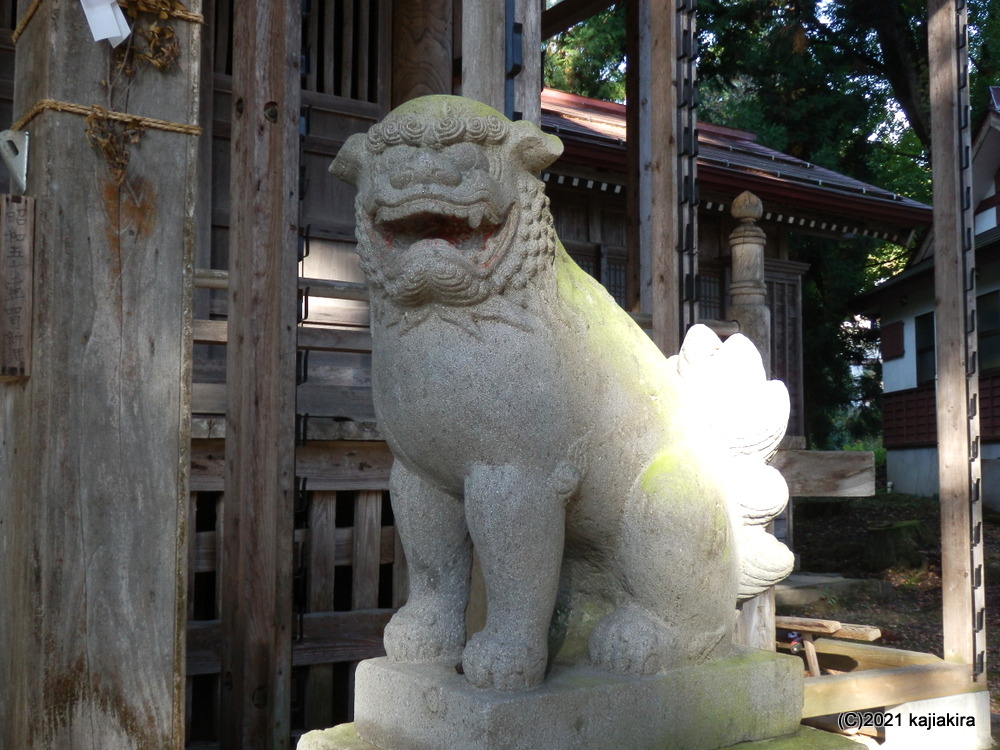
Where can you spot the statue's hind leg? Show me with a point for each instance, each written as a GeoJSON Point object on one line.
{"type": "Point", "coordinates": [439, 560]}
{"type": "Point", "coordinates": [677, 573]}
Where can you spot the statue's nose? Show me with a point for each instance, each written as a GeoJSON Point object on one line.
{"type": "Point", "coordinates": [427, 168]}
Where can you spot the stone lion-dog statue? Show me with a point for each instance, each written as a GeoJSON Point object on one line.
{"type": "Point", "coordinates": [616, 498]}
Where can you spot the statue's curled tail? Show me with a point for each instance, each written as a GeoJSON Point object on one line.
{"type": "Point", "coordinates": [744, 414]}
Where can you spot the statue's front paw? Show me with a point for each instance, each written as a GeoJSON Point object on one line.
{"type": "Point", "coordinates": [632, 641]}
{"type": "Point", "coordinates": [421, 632]}
{"type": "Point", "coordinates": [503, 662]}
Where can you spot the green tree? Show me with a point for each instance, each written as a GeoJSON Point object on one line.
{"type": "Point", "coordinates": [589, 58]}
{"type": "Point", "coordinates": [839, 83]}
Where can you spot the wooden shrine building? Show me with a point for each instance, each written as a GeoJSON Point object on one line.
{"type": "Point", "coordinates": [195, 537]}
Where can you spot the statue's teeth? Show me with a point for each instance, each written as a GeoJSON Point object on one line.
{"type": "Point", "coordinates": [475, 217]}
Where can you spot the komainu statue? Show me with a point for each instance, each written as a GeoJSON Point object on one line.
{"type": "Point", "coordinates": [616, 498]}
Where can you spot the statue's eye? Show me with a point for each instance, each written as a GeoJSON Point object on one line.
{"type": "Point", "coordinates": [467, 156]}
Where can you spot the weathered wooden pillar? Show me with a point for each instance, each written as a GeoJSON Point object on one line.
{"type": "Point", "coordinates": [94, 448]}
{"type": "Point", "coordinates": [652, 139]}
{"type": "Point", "coordinates": [260, 418]}
{"type": "Point", "coordinates": [421, 48]}
{"type": "Point", "coordinates": [485, 62]}
{"type": "Point", "coordinates": [957, 374]}
{"type": "Point", "coordinates": [747, 288]}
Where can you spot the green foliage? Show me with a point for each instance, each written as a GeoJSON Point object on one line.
{"type": "Point", "coordinates": [589, 59]}
{"type": "Point", "coordinates": [842, 84]}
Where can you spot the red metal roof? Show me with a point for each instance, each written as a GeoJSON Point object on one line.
{"type": "Point", "coordinates": [729, 161]}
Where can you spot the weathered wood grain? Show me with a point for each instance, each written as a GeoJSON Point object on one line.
{"type": "Point", "coordinates": [483, 53]}
{"type": "Point", "coordinates": [652, 135]}
{"type": "Point", "coordinates": [827, 473]}
{"type": "Point", "coordinates": [93, 461]}
{"type": "Point", "coordinates": [338, 549]}
{"type": "Point", "coordinates": [17, 227]}
{"type": "Point", "coordinates": [367, 548]}
{"type": "Point", "coordinates": [807, 624]}
{"type": "Point", "coordinates": [333, 465]}
{"type": "Point", "coordinates": [256, 571]}
{"type": "Point", "coordinates": [323, 549]}
{"type": "Point", "coordinates": [832, 694]}
{"type": "Point", "coordinates": [328, 637]}
{"type": "Point", "coordinates": [422, 49]}
{"type": "Point", "coordinates": [955, 336]}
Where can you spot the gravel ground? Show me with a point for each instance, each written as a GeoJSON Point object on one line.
{"type": "Point", "coordinates": [833, 536]}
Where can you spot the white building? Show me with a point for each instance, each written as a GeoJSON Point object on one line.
{"type": "Point", "coordinates": [905, 305]}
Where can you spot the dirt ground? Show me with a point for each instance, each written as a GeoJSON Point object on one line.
{"type": "Point", "coordinates": [836, 536]}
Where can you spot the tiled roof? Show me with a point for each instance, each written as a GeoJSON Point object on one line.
{"type": "Point", "coordinates": [593, 133]}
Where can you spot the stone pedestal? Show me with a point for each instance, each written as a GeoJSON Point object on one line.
{"type": "Point", "coordinates": [430, 706]}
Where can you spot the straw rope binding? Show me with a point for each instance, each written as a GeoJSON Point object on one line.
{"type": "Point", "coordinates": [137, 121]}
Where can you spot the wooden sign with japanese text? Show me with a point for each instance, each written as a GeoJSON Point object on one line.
{"type": "Point", "coordinates": [16, 230]}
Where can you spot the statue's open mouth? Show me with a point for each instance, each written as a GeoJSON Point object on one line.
{"type": "Point", "coordinates": [467, 228]}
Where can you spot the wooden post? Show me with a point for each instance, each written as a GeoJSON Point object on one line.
{"type": "Point", "coordinates": [260, 419]}
{"type": "Point", "coordinates": [957, 375]}
{"type": "Point", "coordinates": [652, 136]}
{"type": "Point", "coordinates": [528, 84]}
{"type": "Point", "coordinates": [484, 60]}
{"type": "Point", "coordinates": [94, 443]}
{"type": "Point", "coordinates": [422, 48]}
{"type": "Point", "coordinates": [483, 51]}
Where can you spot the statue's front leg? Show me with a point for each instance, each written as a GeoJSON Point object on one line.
{"type": "Point", "coordinates": [439, 559]}
{"type": "Point", "coordinates": [518, 528]}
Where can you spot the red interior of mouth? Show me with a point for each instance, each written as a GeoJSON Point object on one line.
{"type": "Point", "coordinates": [455, 231]}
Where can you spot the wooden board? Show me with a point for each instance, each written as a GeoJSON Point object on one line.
{"type": "Point", "coordinates": [314, 400]}
{"type": "Point", "coordinates": [827, 473]}
{"type": "Point", "coordinates": [323, 552]}
{"type": "Point", "coordinates": [833, 694]}
{"type": "Point", "coordinates": [852, 656]}
{"type": "Point", "coordinates": [336, 465]}
{"type": "Point", "coordinates": [326, 549]}
{"type": "Point", "coordinates": [328, 637]}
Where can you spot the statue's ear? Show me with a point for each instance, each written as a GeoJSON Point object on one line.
{"type": "Point", "coordinates": [533, 148]}
{"type": "Point", "coordinates": [347, 164]}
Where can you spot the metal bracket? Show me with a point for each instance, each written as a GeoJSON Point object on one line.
{"type": "Point", "coordinates": [14, 151]}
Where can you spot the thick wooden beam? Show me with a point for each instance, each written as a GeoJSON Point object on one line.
{"type": "Point", "coordinates": [955, 329]}
{"type": "Point", "coordinates": [94, 447]}
{"type": "Point", "coordinates": [256, 575]}
{"type": "Point", "coordinates": [874, 688]}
